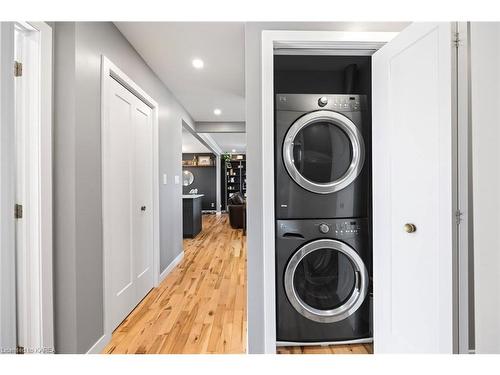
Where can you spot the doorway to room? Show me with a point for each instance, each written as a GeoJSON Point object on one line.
{"type": "Point", "coordinates": [214, 228]}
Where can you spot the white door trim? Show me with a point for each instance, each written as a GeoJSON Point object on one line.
{"type": "Point", "coordinates": [38, 289]}
{"type": "Point", "coordinates": [336, 42]}
{"type": "Point", "coordinates": [110, 71]}
{"type": "Point", "coordinates": [46, 300]}
{"type": "Point", "coordinates": [7, 190]}
{"type": "Point", "coordinates": [39, 314]}
{"type": "Point", "coordinates": [465, 281]}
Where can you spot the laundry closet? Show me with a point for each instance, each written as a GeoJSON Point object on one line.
{"type": "Point", "coordinates": [361, 241]}
{"type": "Point", "coordinates": [324, 292]}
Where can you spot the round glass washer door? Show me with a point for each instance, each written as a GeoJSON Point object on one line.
{"type": "Point", "coordinates": [326, 281]}
{"type": "Point", "coordinates": [323, 151]}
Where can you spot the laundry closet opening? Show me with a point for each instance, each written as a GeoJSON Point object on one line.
{"type": "Point", "coordinates": [323, 202]}
{"type": "Point", "coordinates": [310, 74]}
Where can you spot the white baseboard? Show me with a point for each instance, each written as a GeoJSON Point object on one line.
{"type": "Point", "coordinates": [99, 346]}
{"type": "Point", "coordinates": [171, 266]}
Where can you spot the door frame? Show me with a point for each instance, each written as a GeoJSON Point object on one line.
{"type": "Point", "coordinates": [8, 339]}
{"type": "Point", "coordinates": [39, 293]}
{"type": "Point", "coordinates": [288, 41]}
{"type": "Point", "coordinates": [464, 200]}
{"type": "Point", "coordinates": [110, 71]}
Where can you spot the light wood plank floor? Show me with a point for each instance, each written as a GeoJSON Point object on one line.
{"type": "Point", "coordinates": [332, 349]}
{"type": "Point", "coordinates": [201, 306]}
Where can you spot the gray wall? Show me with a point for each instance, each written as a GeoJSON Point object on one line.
{"type": "Point", "coordinates": [204, 181]}
{"type": "Point", "coordinates": [77, 173]}
{"type": "Point", "coordinates": [258, 333]}
{"type": "Point", "coordinates": [220, 127]}
{"type": "Point", "coordinates": [485, 91]}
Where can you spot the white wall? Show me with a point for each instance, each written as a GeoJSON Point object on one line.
{"type": "Point", "coordinates": [261, 335]}
{"type": "Point", "coordinates": [485, 90]}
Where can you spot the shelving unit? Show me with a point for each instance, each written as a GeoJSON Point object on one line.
{"type": "Point", "coordinates": [235, 173]}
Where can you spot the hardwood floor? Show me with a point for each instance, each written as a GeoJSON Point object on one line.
{"type": "Point", "coordinates": [332, 349]}
{"type": "Point", "coordinates": [201, 306]}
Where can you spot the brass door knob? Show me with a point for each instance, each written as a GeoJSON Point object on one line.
{"type": "Point", "coordinates": [410, 228]}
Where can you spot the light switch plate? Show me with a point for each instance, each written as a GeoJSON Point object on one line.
{"type": "Point", "coordinates": [177, 180]}
{"type": "Point", "coordinates": [164, 178]}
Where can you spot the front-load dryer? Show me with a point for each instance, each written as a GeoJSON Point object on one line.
{"type": "Point", "coordinates": [322, 156]}
{"type": "Point", "coordinates": [323, 281]}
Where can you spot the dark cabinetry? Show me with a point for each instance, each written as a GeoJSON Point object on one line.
{"type": "Point", "coordinates": [191, 216]}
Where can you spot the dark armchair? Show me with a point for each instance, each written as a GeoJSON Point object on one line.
{"type": "Point", "coordinates": [237, 207]}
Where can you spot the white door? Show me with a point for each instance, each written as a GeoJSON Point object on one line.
{"type": "Point", "coordinates": [128, 181]}
{"type": "Point", "coordinates": [413, 184]}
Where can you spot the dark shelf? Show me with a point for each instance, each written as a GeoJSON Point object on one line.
{"type": "Point", "coordinates": [238, 170]}
{"type": "Point", "coordinates": [198, 166]}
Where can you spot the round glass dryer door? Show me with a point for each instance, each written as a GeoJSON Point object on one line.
{"type": "Point", "coordinates": [326, 281]}
{"type": "Point", "coordinates": [323, 151]}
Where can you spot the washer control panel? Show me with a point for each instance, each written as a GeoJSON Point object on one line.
{"type": "Point", "coordinates": [324, 228]}
{"type": "Point", "coordinates": [347, 227]}
{"type": "Point", "coordinates": [306, 230]}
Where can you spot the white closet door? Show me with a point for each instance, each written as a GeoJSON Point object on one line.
{"type": "Point", "coordinates": [128, 181]}
{"type": "Point", "coordinates": [142, 210]}
{"type": "Point", "coordinates": [413, 183]}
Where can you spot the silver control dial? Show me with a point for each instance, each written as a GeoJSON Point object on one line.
{"type": "Point", "coordinates": [322, 101]}
{"type": "Point", "coordinates": [323, 228]}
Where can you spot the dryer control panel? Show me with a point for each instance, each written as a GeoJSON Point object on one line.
{"type": "Point", "coordinates": [308, 102]}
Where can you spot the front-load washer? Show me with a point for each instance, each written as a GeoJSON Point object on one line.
{"type": "Point", "coordinates": [323, 287]}
{"type": "Point", "coordinates": [322, 156]}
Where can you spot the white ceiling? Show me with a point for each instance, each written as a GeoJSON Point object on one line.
{"type": "Point", "coordinates": [169, 48]}
{"type": "Point", "coordinates": [190, 144]}
{"type": "Point", "coordinates": [230, 141]}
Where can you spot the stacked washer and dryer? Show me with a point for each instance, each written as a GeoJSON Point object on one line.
{"type": "Point", "coordinates": [323, 224]}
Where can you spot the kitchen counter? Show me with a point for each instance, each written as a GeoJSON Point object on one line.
{"type": "Point", "coordinates": [191, 215]}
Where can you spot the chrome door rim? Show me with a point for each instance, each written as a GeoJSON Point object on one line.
{"type": "Point", "coordinates": [358, 151]}
{"type": "Point", "coordinates": [339, 313]}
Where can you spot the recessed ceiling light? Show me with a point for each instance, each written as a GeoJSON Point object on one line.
{"type": "Point", "coordinates": [198, 63]}
{"type": "Point", "coordinates": [233, 150]}
{"type": "Point", "coordinates": [217, 111]}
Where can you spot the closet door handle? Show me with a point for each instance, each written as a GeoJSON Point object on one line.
{"type": "Point", "coordinates": [410, 228]}
{"type": "Point", "coordinates": [143, 208]}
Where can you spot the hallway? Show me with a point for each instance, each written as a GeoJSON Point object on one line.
{"type": "Point", "coordinates": [200, 307]}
